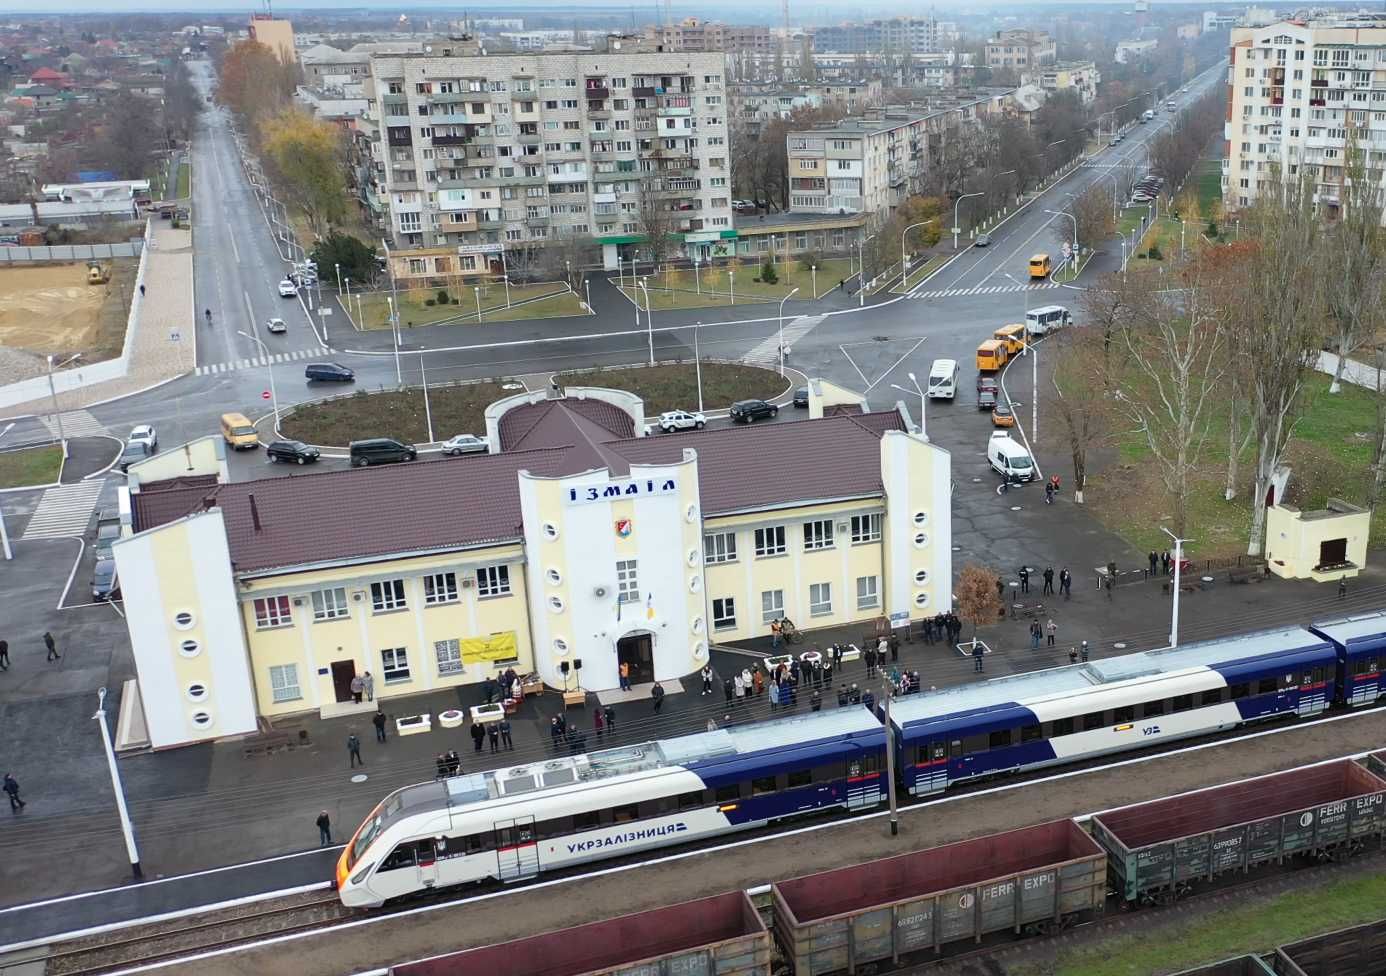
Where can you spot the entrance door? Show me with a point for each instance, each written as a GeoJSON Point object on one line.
{"type": "Point", "coordinates": [1333, 552]}
{"type": "Point", "coordinates": [517, 853]}
{"type": "Point", "coordinates": [342, 673]}
{"type": "Point", "coordinates": [637, 650]}
{"type": "Point", "coordinates": [863, 781]}
{"type": "Point", "coordinates": [428, 864]}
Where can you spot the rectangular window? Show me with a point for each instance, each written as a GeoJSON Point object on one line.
{"type": "Point", "coordinates": [867, 593]}
{"type": "Point", "coordinates": [330, 604]}
{"type": "Point", "coordinates": [627, 584]}
{"type": "Point", "coordinates": [394, 664]}
{"type": "Point", "coordinates": [493, 581]}
{"type": "Point", "coordinates": [999, 739]}
{"type": "Point", "coordinates": [818, 534]}
{"type": "Point", "coordinates": [272, 611]}
{"type": "Point", "coordinates": [690, 801]}
{"type": "Point", "coordinates": [727, 794]}
{"type": "Point", "coordinates": [387, 595]}
{"type": "Point", "coordinates": [1092, 720]}
{"type": "Point", "coordinates": [1152, 709]}
{"type": "Point", "coordinates": [1265, 686]}
{"type": "Point", "coordinates": [449, 656]}
{"type": "Point", "coordinates": [724, 612]}
{"type": "Point", "coordinates": [719, 547]}
{"type": "Point", "coordinates": [770, 541]}
{"type": "Point", "coordinates": [1239, 691]}
{"type": "Point", "coordinates": [771, 605]}
{"type": "Point", "coordinates": [798, 778]}
{"type": "Point", "coordinates": [820, 599]}
{"type": "Point", "coordinates": [1061, 726]}
{"type": "Point", "coordinates": [440, 588]}
{"type": "Point", "coordinates": [866, 528]}
{"type": "Point", "coordinates": [762, 785]}
{"type": "Point", "coordinates": [1213, 697]}
{"type": "Point", "coordinates": [284, 683]}
{"type": "Point", "coordinates": [1122, 715]}
{"type": "Point", "coordinates": [1029, 733]}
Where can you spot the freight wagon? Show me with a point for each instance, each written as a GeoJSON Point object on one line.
{"type": "Point", "coordinates": [1034, 879]}
{"type": "Point", "coordinates": [1358, 951]}
{"type": "Point", "coordinates": [1376, 762]}
{"type": "Point", "coordinates": [1240, 966]}
{"type": "Point", "coordinates": [1157, 850]}
{"type": "Point", "coordinates": [718, 936]}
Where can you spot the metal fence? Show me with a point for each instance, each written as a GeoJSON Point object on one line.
{"type": "Point", "coordinates": [16, 254]}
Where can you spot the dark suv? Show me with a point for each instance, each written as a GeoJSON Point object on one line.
{"type": "Point", "coordinates": [747, 411]}
{"type": "Point", "coordinates": [328, 373]}
{"type": "Point", "coordinates": [380, 450]}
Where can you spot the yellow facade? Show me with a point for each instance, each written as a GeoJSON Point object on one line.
{"type": "Point", "coordinates": [1323, 546]}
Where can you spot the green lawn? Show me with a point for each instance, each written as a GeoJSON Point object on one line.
{"type": "Point", "coordinates": [676, 387]}
{"type": "Point", "coordinates": [717, 284]}
{"type": "Point", "coordinates": [30, 466]}
{"type": "Point", "coordinates": [921, 272]}
{"type": "Point", "coordinates": [1206, 937]}
{"type": "Point", "coordinates": [545, 300]}
{"type": "Point", "coordinates": [185, 180]}
{"type": "Point", "coordinates": [1208, 181]}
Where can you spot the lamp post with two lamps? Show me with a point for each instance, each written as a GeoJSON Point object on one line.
{"type": "Point", "coordinates": [649, 319]}
{"type": "Point", "coordinates": [269, 367]}
{"type": "Point", "coordinates": [904, 264]}
{"type": "Point", "coordinates": [782, 301]}
{"type": "Point", "coordinates": [923, 424]}
{"type": "Point", "coordinates": [53, 393]}
{"type": "Point", "coordinates": [956, 204]}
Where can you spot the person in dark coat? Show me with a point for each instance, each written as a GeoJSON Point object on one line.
{"type": "Point", "coordinates": [4, 655]}
{"type": "Point", "coordinates": [1066, 583]}
{"type": "Point", "coordinates": [11, 788]}
{"type": "Point", "coordinates": [378, 720]}
{"type": "Point", "coordinates": [828, 673]}
{"type": "Point", "coordinates": [555, 731]}
{"type": "Point", "coordinates": [52, 646]}
{"type": "Point", "coordinates": [1154, 562]}
{"type": "Point", "coordinates": [324, 823]}
{"type": "Point", "coordinates": [442, 763]}
{"type": "Point", "coordinates": [505, 735]}
{"type": "Point", "coordinates": [478, 735]}
{"type": "Point", "coordinates": [1024, 575]}
{"type": "Point", "coordinates": [1048, 581]}
{"type": "Point", "coordinates": [657, 693]}
{"type": "Point", "coordinates": [609, 714]}
{"type": "Point", "coordinates": [729, 689]}
{"type": "Point", "coordinates": [1166, 561]}
{"type": "Point", "coordinates": [842, 697]}
{"type": "Point", "coordinates": [977, 657]}
{"type": "Point", "coordinates": [354, 751]}
{"type": "Point", "coordinates": [571, 735]}
{"type": "Point", "coordinates": [493, 734]}
{"type": "Point", "coordinates": [488, 689]}
{"type": "Point", "coordinates": [598, 723]}
{"type": "Point", "coordinates": [454, 762]}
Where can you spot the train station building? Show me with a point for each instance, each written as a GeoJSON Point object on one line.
{"type": "Point", "coordinates": [580, 542]}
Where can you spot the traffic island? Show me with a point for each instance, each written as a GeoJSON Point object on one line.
{"type": "Point", "coordinates": [31, 467]}
{"type": "Point", "coordinates": [674, 386]}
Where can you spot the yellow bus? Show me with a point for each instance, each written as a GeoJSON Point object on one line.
{"type": "Point", "coordinates": [1039, 266]}
{"type": "Point", "coordinates": [992, 355]}
{"type": "Point", "coordinates": [1013, 336]}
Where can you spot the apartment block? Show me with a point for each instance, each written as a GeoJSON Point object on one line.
{"type": "Point", "coordinates": [1080, 77]}
{"type": "Point", "coordinates": [1128, 51]}
{"type": "Point", "coordinates": [277, 35]}
{"type": "Point", "coordinates": [1296, 93]}
{"type": "Point", "coordinates": [917, 35]}
{"type": "Point", "coordinates": [1020, 48]}
{"type": "Point", "coordinates": [755, 103]}
{"type": "Point", "coordinates": [692, 34]}
{"type": "Point", "coordinates": [500, 151]}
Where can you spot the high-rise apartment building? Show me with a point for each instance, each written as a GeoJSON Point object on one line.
{"type": "Point", "coordinates": [1297, 92]}
{"type": "Point", "coordinates": [917, 35]}
{"type": "Point", "coordinates": [1019, 49]}
{"type": "Point", "coordinates": [692, 34]}
{"type": "Point", "coordinates": [489, 151]}
{"type": "Point", "coordinates": [277, 35]}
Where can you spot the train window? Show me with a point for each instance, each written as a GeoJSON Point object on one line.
{"type": "Point", "coordinates": [590, 820]}
{"type": "Point", "coordinates": [402, 856]}
{"type": "Point", "coordinates": [975, 743]}
{"type": "Point", "coordinates": [1239, 690]}
{"type": "Point", "coordinates": [999, 739]}
{"type": "Point", "coordinates": [475, 843]}
{"type": "Point", "coordinates": [1093, 720]}
{"type": "Point", "coordinates": [1319, 674]}
{"type": "Point", "coordinates": [1029, 733]}
{"type": "Point", "coordinates": [1061, 726]}
{"type": "Point", "coordinates": [691, 801]}
{"type": "Point", "coordinates": [557, 827]}
{"type": "Point", "coordinates": [955, 748]}
{"type": "Point", "coordinates": [798, 778]}
{"type": "Point", "coordinates": [1213, 697]}
{"type": "Point", "coordinates": [762, 785]}
{"type": "Point", "coordinates": [870, 763]}
{"type": "Point", "coordinates": [625, 813]}
{"type": "Point", "coordinates": [1126, 714]}
{"type": "Point", "coordinates": [1150, 709]}
{"type": "Point", "coordinates": [1182, 703]}
{"type": "Point", "coordinates": [827, 774]}
{"type": "Point", "coordinates": [1266, 686]}
{"type": "Point", "coordinates": [728, 794]}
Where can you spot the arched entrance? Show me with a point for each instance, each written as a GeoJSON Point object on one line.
{"type": "Point", "coordinates": [637, 650]}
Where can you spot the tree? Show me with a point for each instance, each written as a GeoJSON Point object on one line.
{"type": "Point", "coordinates": [1353, 261]}
{"type": "Point", "coordinates": [655, 219]}
{"type": "Point", "coordinates": [181, 104]}
{"type": "Point", "coordinates": [353, 256]}
{"type": "Point", "coordinates": [306, 155]}
{"type": "Point", "coordinates": [128, 136]}
{"type": "Point", "coordinates": [1081, 400]}
{"type": "Point", "coordinates": [978, 601]}
{"type": "Point", "coordinates": [1092, 212]}
{"type": "Point", "coordinates": [254, 83]}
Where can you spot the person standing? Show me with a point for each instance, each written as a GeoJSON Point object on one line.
{"type": "Point", "coordinates": [1035, 635]}
{"type": "Point", "coordinates": [493, 736]}
{"type": "Point", "coordinates": [739, 688]}
{"type": "Point", "coordinates": [776, 634]}
{"type": "Point", "coordinates": [729, 689]}
{"type": "Point", "coordinates": [707, 679]}
{"type": "Point", "coordinates": [1024, 579]}
{"type": "Point", "coordinates": [625, 676]}
{"type": "Point", "coordinates": [774, 695]}
{"type": "Point", "coordinates": [1053, 629]}
{"type": "Point", "coordinates": [1048, 581]}
{"type": "Point", "coordinates": [505, 735]}
{"type": "Point", "coordinates": [324, 829]}
{"type": "Point", "coordinates": [1154, 563]}
{"type": "Point", "coordinates": [976, 657]}
{"type": "Point", "coordinates": [4, 655]}
{"type": "Point", "coordinates": [478, 736]}
{"type": "Point", "coordinates": [11, 788]}
{"type": "Point", "coordinates": [609, 714]}
{"type": "Point", "coordinates": [354, 750]}
{"type": "Point", "coordinates": [598, 726]}
{"type": "Point", "coordinates": [358, 688]}
{"type": "Point", "coordinates": [555, 732]}
{"type": "Point", "coordinates": [1066, 583]}
{"type": "Point", "coordinates": [52, 646]}
{"type": "Point", "coordinates": [378, 720]}
{"type": "Point", "coordinates": [757, 685]}
{"type": "Point", "coordinates": [368, 685]}
{"type": "Point", "coordinates": [657, 693]}
{"type": "Point", "coordinates": [1083, 651]}
{"type": "Point", "coordinates": [1166, 561]}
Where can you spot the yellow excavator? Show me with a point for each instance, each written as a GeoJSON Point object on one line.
{"type": "Point", "coordinates": [98, 273]}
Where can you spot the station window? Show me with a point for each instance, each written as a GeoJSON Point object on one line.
{"type": "Point", "coordinates": [387, 595]}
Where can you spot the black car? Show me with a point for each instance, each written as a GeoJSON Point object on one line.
{"type": "Point", "coordinates": [986, 398]}
{"type": "Point", "coordinates": [134, 451]}
{"type": "Point", "coordinates": [380, 450]}
{"type": "Point", "coordinates": [747, 411]}
{"type": "Point", "coordinates": [328, 373]}
{"type": "Point", "coordinates": [801, 397]}
{"type": "Point", "coordinates": [295, 451]}
{"type": "Point", "coordinates": [104, 584]}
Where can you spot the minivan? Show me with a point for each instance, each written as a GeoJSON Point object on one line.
{"type": "Point", "coordinates": [1008, 459]}
{"type": "Point", "coordinates": [380, 450]}
{"type": "Point", "coordinates": [238, 431]}
{"type": "Point", "coordinates": [328, 373]}
{"type": "Point", "coordinates": [943, 379]}
{"type": "Point", "coordinates": [1042, 321]}
{"type": "Point", "coordinates": [1039, 266]}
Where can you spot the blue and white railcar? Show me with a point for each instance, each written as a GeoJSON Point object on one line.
{"type": "Point", "coordinates": [1361, 645]}
{"type": "Point", "coordinates": [509, 824]}
{"type": "Point", "coordinates": [1074, 712]}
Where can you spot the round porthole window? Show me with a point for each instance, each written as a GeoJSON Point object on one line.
{"type": "Point", "coordinates": [189, 648]}
{"type": "Point", "coordinates": [691, 514]}
{"type": "Point", "coordinates": [556, 604]}
{"type": "Point", "coordinates": [550, 531]}
{"type": "Point", "coordinates": [183, 619]}
{"type": "Point", "coordinates": [560, 646]}
{"type": "Point", "coordinates": [700, 651]}
{"type": "Point", "coordinates": [921, 539]}
{"type": "Point", "coordinates": [921, 519]}
{"type": "Point", "coordinates": [695, 584]}
{"type": "Point", "coordinates": [553, 576]}
{"type": "Point", "coordinates": [921, 576]}
{"type": "Point", "coordinates": [921, 599]}
{"type": "Point", "coordinates": [197, 692]}
{"type": "Point", "coordinates": [202, 718]}
{"type": "Point", "coordinates": [692, 557]}
{"type": "Point", "coordinates": [697, 625]}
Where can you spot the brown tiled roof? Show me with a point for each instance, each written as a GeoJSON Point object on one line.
{"type": "Point", "coordinates": [543, 424]}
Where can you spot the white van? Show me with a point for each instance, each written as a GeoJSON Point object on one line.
{"type": "Point", "coordinates": [943, 379]}
{"type": "Point", "coordinates": [1008, 459]}
{"type": "Point", "coordinates": [1042, 321]}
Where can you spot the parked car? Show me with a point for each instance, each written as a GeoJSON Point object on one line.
{"type": "Point", "coordinates": [983, 240]}
{"type": "Point", "coordinates": [801, 398]}
{"type": "Point", "coordinates": [380, 450]}
{"type": "Point", "coordinates": [276, 327]}
{"type": "Point", "coordinates": [287, 289]}
{"type": "Point", "coordinates": [328, 373]}
{"type": "Point", "coordinates": [134, 451]}
{"type": "Point", "coordinates": [672, 420]}
{"type": "Point", "coordinates": [295, 451]}
{"type": "Point", "coordinates": [749, 411]}
{"type": "Point", "coordinates": [105, 585]}
{"type": "Point", "coordinates": [1002, 415]}
{"type": "Point", "coordinates": [107, 532]}
{"type": "Point", "coordinates": [464, 444]}
{"type": "Point", "coordinates": [986, 399]}
{"type": "Point", "coordinates": [145, 433]}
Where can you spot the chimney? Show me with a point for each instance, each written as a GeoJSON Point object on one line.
{"type": "Point", "coordinates": [254, 512]}
{"type": "Point", "coordinates": [208, 502]}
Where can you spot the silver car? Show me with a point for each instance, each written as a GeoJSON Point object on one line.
{"type": "Point", "coordinates": [464, 444]}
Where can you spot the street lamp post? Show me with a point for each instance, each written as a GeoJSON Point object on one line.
{"type": "Point", "coordinates": [1174, 609]}
{"type": "Point", "coordinates": [697, 274]}
{"type": "Point", "coordinates": [731, 283]}
{"type": "Point", "coordinates": [698, 363]}
{"type": "Point", "coordinates": [53, 393]}
{"type": "Point", "coordinates": [1034, 362]}
{"type": "Point", "coordinates": [649, 320]}
{"type": "Point", "coordinates": [861, 268]}
{"type": "Point", "coordinates": [587, 287]}
{"type": "Point", "coordinates": [269, 366]}
{"type": "Point", "coordinates": [476, 291]}
{"type": "Point", "coordinates": [957, 204]}
{"type": "Point", "coordinates": [1061, 213]}
{"type": "Point", "coordinates": [394, 334]}
{"type": "Point", "coordinates": [923, 422]}
{"type": "Point", "coordinates": [782, 301]}
{"type": "Point", "coordinates": [423, 382]}
{"type": "Point", "coordinates": [904, 267]}
{"type": "Point", "coordinates": [339, 278]}
{"type": "Point", "coordinates": [126, 827]}
{"type": "Point", "coordinates": [813, 270]}
{"type": "Point", "coordinates": [507, 289]}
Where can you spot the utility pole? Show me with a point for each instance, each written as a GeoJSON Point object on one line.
{"type": "Point", "coordinates": [886, 690]}
{"type": "Point", "coordinates": [1174, 609]}
{"type": "Point", "coordinates": [126, 827]}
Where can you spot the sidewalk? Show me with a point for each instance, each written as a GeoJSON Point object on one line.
{"type": "Point", "coordinates": [164, 343]}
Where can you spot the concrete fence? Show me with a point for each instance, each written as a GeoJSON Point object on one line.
{"type": "Point", "coordinates": [70, 252]}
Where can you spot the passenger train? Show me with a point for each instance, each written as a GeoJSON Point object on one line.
{"type": "Point", "coordinates": [511, 824]}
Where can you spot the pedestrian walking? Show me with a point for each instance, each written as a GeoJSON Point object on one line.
{"type": "Point", "coordinates": [976, 657]}
{"type": "Point", "coordinates": [657, 693]}
{"type": "Point", "coordinates": [52, 646]}
{"type": "Point", "coordinates": [1024, 579]}
{"type": "Point", "coordinates": [368, 685]}
{"type": "Point", "coordinates": [555, 732]}
{"type": "Point", "coordinates": [1049, 493]}
{"type": "Point", "coordinates": [11, 788]}
{"type": "Point", "coordinates": [1083, 651]}
{"type": "Point", "coordinates": [1035, 635]}
{"type": "Point", "coordinates": [505, 735]}
{"type": "Point", "coordinates": [598, 725]}
{"type": "Point", "coordinates": [1066, 583]}
{"type": "Point", "coordinates": [1342, 587]}
{"type": "Point", "coordinates": [609, 714]}
{"type": "Point", "coordinates": [358, 688]}
{"type": "Point", "coordinates": [378, 720]}
{"type": "Point", "coordinates": [4, 655]}
{"type": "Point", "coordinates": [354, 751]}
{"type": "Point", "coordinates": [1053, 629]}
{"type": "Point", "coordinates": [1154, 562]}
{"type": "Point", "coordinates": [141, 291]}
{"type": "Point", "coordinates": [707, 679]}
{"type": "Point", "coordinates": [729, 689]}
{"type": "Point", "coordinates": [625, 676]}
{"type": "Point", "coordinates": [1048, 581]}
{"type": "Point", "coordinates": [324, 823]}
{"type": "Point", "coordinates": [493, 737]}
{"type": "Point", "coordinates": [478, 736]}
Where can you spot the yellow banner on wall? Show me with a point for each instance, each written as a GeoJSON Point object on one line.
{"type": "Point", "coordinates": [496, 647]}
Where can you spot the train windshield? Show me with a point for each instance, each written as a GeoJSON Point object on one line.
{"type": "Point", "coordinates": [371, 829]}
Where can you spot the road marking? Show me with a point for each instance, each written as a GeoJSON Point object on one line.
{"type": "Point", "coordinates": [288, 356]}
{"type": "Point", "coordinates": [232, 237]}
{"type": "Point", "coordinates": [64, 512]}
{"type": "Point", "coordinates": [768, 352]}
{"type": "Point", "coordinates": [74, 423]}
{"type": "Point", "coordinates": [982, 290]}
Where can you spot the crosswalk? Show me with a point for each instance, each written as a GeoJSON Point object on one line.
{"type": "Point", "coordinates": [984, 290]}
{"type": "Point", "coordinates": [64, 512]}
{"type": "Point", "coordinates": [262, 361]}
{"type": "Point", "coordinates": [768, 352]}
{"type": "Point", "coordinates": [73, 423]}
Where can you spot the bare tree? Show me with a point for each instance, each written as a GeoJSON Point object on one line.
{"type": "Point", "coordinates": [978, 601]}
{"type": "Point", "coordinates": [1081, 400]}
{"type": "Point", "coordinates": [1092, 212]}
{"type": "Point", "coordinates": [1352, 260]}
{"type": "Point", "coordinates": [655, 219]}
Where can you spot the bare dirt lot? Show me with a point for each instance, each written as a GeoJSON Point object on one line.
{"type": "Point", "coordinates": [50, 309]}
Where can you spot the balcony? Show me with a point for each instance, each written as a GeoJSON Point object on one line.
{"type": "Point", "coordinates": [490, 224]}
{"type": "Point", "coordinates": [596, 110]}
{"type": "Point", "coordinates": [537, 220]}
{"type": "Point", "coordinates": [643, 92]}
{"type": "Point", "coordinates": [518, 180]}
{"type": "Point", "coordinates": [597, 92]}
{"type": "Point", "coordinates": [451, 140]}
{"type": "Point", "coordinates": [674, 110]}
{"type": "Point", "coordinates": [529, 138]}
{"type": "Point", "coordinates": [1319, 83]}
{"type": "Point", "coordinates": [465, 226]}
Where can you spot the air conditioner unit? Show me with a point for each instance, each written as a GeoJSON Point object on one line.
{"type": "Point", "coordinates": [467, 582]}
{"type": "Point", "coordinates": [599, 591]}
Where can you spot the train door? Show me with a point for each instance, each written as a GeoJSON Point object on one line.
{"type": "Point", "coordinates": [863, 781]}
{"type": "Point", "coordinates": [517, 849]}
{"type": "Point", "coordinates": [427, 863]}
{"type": "Point", "coordinates": [931, 775]}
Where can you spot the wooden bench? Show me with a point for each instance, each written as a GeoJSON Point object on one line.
{"type": "Point", "coordinates": [268, 745]}
{"type": "Point", "coordinates": [1246, 574]}
{"type": "Point", "coordinates": [1031, 611]}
